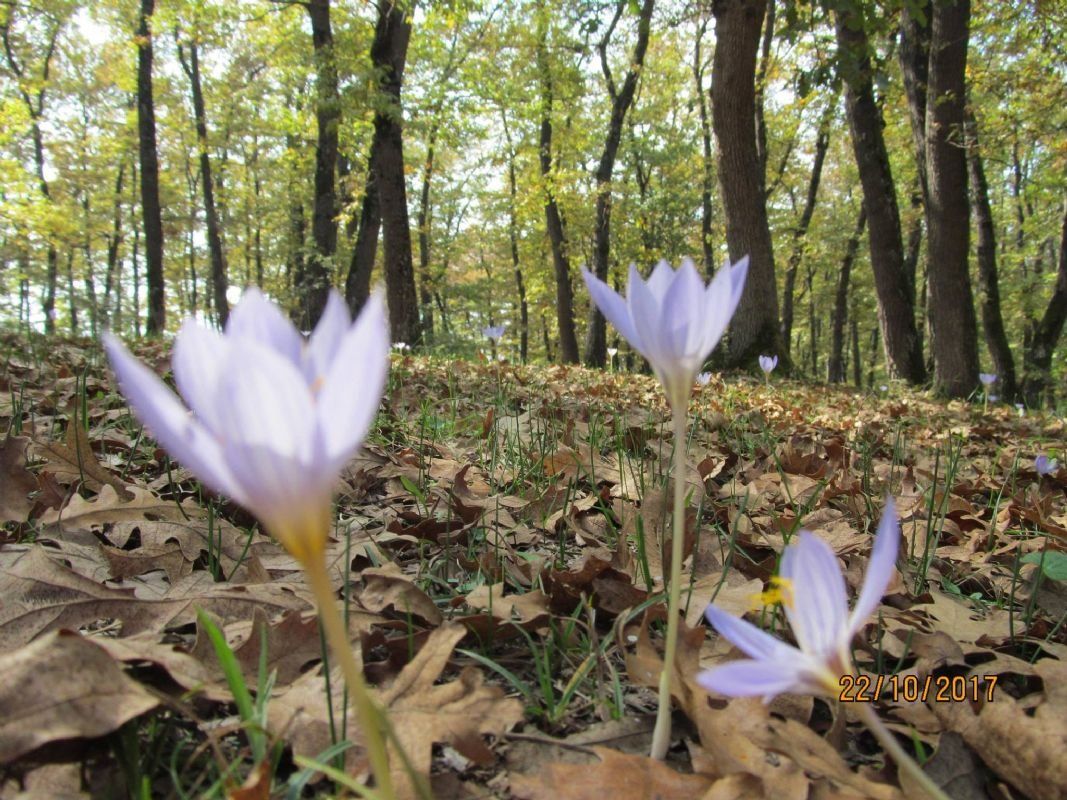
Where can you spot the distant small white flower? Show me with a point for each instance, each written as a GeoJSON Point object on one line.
{"type": "Point", "coordinates": [1045, 465]}
{"type": "Point", "coordinates": [400, 347]}
{"type": "Point", "coordinates": [703, 378]}
{"type": "Point", "coordinates": [767, 364]}
{"type": "Point", "coordinates": [884, 388]}
{"type": "Point", "coordinates": [994, 398]}
{"type": "Point", "coordinates": [494, 332]}
{"type": "Point", "coordinates": [612, 352]}
{"type": "Point", "coordinates": [1021, 409]}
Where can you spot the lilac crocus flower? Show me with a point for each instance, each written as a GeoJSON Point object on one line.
{"type": "Point", "coordinates": [767, 364]}
{"type": "Point", "coordinates": [268, 418]}
{"type": "Point", "coordinates": [494, 332]}
{"type": "Point", "coordinates": [704, 378]}
{"type": "Point", "coordinates": [1045, 465]}
{"type": "Point", "coordinates": [612, 352]}
{"type": "Point", "coordinates": [817, 608]}
{"type": "Point", "coordinates": [987, 378]}
{"type": "Point", "coordinates": [674, 319]}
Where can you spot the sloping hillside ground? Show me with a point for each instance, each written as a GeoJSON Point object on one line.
{"type": "Point", "coordinates": [498, 548]}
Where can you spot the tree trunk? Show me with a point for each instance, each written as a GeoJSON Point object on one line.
{"type": "Point", "coordinates": [388, 56]}
{"type": "Point", "coordinates": [513, 240]}
{"type": "Point", "coordinates": [953, 326]}
{"type": "Point", "coordinates": [754, 328]}
{"type": "Point", "coordinates": [761, 87]}
{"type": "Point", "coordinates": [219, 279]}
{"type": "Point", "coordinates": [557, 236]}
{"type": "Point", "coordinates": [835, 367]}
{"type": "Point", "coordinates": [992, 321]}
{"type": "Point", "coordinates": [896, 296]}
{"type": "Point", "coordinates": [857, 362]}
{"type": "Point", "coordinates": [422, 222]}
{"type": "Point", "coordinates": [1037, 357]}
{"type": "Point", "coordinates": [114, 241]}
{"type": "Point", "coordinates": [151, 209]}
{"type": "Point", "coordinates": [312, 283]}
{"type": "Point", "coordinates": [822, 142]}
{"type": "Point", "coordinates": [365, 248]}
{"type": "Point", "coordinates": [707, 182]}
{"type": "Point", "coordinates": [914, 55]}
{"type": "Point", "coordinates": [621, 99]}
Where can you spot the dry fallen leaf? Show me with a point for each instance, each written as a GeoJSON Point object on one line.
{"type": "Point", "coordinates": [16, 482]}
{"type": "Point", "coordinates": [62, 686]}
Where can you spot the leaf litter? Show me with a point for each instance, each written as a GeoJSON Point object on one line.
{"type": "Point", "coordinates": [500, 548]}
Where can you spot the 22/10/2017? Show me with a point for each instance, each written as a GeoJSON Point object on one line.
{"type": "Point", "coordinates": [913, 688]}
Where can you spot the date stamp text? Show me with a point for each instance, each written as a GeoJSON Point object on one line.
{"type": "Point", "coordinates": [913, 688]}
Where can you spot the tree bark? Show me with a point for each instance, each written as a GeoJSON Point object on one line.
{"type": "Point", "coordinates": [835, 366]}
{"type": "Point", "coordinates": [1037, 357]}
{"type": "Point", "coordinates": [754, 328]}
{"type": "Point", "coordinates": [513, 240]}
{"type": "Point", "coordinates": [151, 209]}
{"type": "Point", "coordinates": [114, 241]}
{"type": "Point", "coordinates": [621, 99]}
{"type": "Point", "coordinates": [422, 222]}
{"type": "Point", "coordinates": [312, 282]}
{"type": "Point", "coordinates": [822, 143]}
{"type": "Point", "coordinates": [389, 55]}
{"type": "Point", "coordinates": [219, 278]}
{"type": "Point", "coordinates": [914, 56]}
{"type": "Point", "coordinates": [557, 235]}
{"type": "Point", "coordinates": [707, 183]}
{"type": "Point", "coordinates": [365, 248]}
{"type": "Point", "coordinates": [992, 321]}
{"type": "Point", "coordinates": [761, 87]}
{"type": "Point", "coordinates": [953, 325]}
{"type": "Point", "coordinates": [896, 296]}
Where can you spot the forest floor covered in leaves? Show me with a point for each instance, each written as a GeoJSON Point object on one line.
{"type": "Point", "coordinates": [498, 547]}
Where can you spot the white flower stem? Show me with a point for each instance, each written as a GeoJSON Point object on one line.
{"type": "Point", "coordinates": [367, 714]}
{"type": "Point", "coordinates": [661, 734]}
{"type": "Point", "coordinates": [896, 752]}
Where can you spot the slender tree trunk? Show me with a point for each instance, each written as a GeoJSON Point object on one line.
{"type": "Point", "coordinates": [761, 86]}
{"type": "Point", "coordinates": [557, 236]}
{"type": "Point", "coordinates": [822, 142]}
{"type": "Point", "coordinates": [621, 99]}
{"type": "Point", "coordinates": [992, 321]}
{"type": "Point", "coordinates": [896, 296]}
{"type": "Point", "coordinates": [89, 279]}
{"type": "Point", "coordinates": [1037, 357]}
{"type": "Point", "coordinates": [365, 248]}
{"type": "Point", "coordinates": [835, 367]}
{"type": "Point", "coordinates": [707, 182]}
{"type": "Point", "coordinates": [389, 55]}
{"type": "Point", "coordinates": [114, 241]}
{"type": "Point", "coordinates": [914, 56]}
{"type": "Point", "coordinates": [151, 209]}
{"type": "Point", "coordinates": [754, 328]}
{"type": "Point", "coordinates": [953, 326]}
{"type": "Point", "coordinates": [857, 362]}
{"type": "Point", "coordinates": [422, 222]}
{"type": "Point", "coordinates": [72, 300]}
{"type": "Point", "coordinates": [219, 278]}
{"type": "Point", "coordinates": [312, 282]}
{"type": "Point", "coordinates": [513, 240]}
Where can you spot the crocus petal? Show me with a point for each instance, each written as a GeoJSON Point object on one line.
{"type": "Point", "coordinates": [170, 422]}
{"type": "Point", "coordinates": [264, 400]}
{"type": "Point", "coordinates": [660, 280]}
{"type": "Point", "coordinates": [199, 356]}
{"type": "Point", "coordinates": [257, 319]}
{"type": "Point", "coordinates": [327, 338]}
{"type": "Point", "coordinates": [818, 610]}
{"type": "Point", "coordinates": [746, 637]}
{"type": "Point", "coordinates": [612, 307]}
{"type": "Point", "coordinates": [278, 488]}
{"type": "Point", "coordinates": [352, 390]}
{"type": "Point", "coordinates": [747, 678]}
{"type": "Point", "coordinates": [645, 314]}
{"type": "Point", "coordinates": [880, 570]}
{"type": "Point", "coordinates": [680, 312]}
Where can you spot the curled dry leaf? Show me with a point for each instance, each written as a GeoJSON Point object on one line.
{"type": "Point", "coordinates": [387, 588]}
{"type": "Point", "coordinates": [62, 686]}
{"type": "Point", "coordinates": [1029, 750]}
{"type": "Point", "coordinates": [16, 482]}
{"type": "Point", "coordinates": [73, 460]}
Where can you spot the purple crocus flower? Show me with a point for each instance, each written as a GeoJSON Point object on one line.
{"type": "Point", "coordinates": [494, 332]}
{"type": "Point", "coordinates": [1045, 465]}
{"type": "Point", "coordinates": [268, 418]}
{"type": "Point", "coordinates": [767, 364]}
{"type": "Point", "coordinates": [816, 605]}
{"type": "Point", "coordinates": [987, 378]}
{"type": "Point", "coordinates": [704, 378]}
{"type": "Point", "coordinates": [674, 319]}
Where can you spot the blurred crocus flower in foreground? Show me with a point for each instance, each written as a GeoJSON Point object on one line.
{"type": "Point", "coordinates": [767, 364]}
{"type": "Point", "coordinates": [673, 319]}
{"type": "Point", "coordinates": [268, 418]}
{"type": "Point", "coordinates": [1045, 465]}
{"type": "Point", "coordinates": [494, 332]}
{"type": "Point", "coordinates": [816, 604]}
